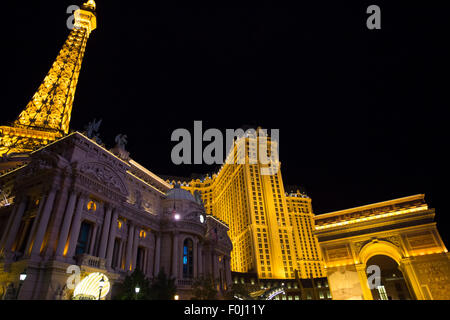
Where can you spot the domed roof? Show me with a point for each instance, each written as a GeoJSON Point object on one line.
{"type": "Point", "coordinates": [179, 194]}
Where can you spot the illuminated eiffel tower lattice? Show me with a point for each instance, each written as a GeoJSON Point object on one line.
{"type": "Point", "coordinates": [46, 117]}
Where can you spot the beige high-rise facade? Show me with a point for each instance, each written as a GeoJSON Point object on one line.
{"type": "Point", "coordinates": [271, 230]}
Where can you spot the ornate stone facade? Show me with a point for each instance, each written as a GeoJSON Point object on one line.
{"type": "Point", "coordinates": [403, 230]}
{"type": "Point", "coordinates": [76, 203]}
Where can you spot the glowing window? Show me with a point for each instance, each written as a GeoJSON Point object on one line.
{"type": "Point", "coordinates": [382, 292]}
{"type": "Point", "coordinates": [92, 206]}
{"type": "Point", "coordinates": [188, 259]}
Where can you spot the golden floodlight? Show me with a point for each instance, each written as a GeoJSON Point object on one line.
{"type": "Point", "coordinates": [89, 287]}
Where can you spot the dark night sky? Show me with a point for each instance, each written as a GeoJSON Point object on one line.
{"type": "Point", "coordinates": [361, 113]}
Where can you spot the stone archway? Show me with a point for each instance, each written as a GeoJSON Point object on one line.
{"type": "Point", "coordinates": [380, 247]}
{"type": "Point", "coordinates": [385, 248]}
{"type": "Point", "coordinates": [391, 284]}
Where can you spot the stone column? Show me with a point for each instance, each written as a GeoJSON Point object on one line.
{"type": "Point", "coordinates": [411, 279]}
{"type": "Point", "coordinates": [34, 226]}
{"type": "Point", "coordinates": [215, 259]}
{"type": "Point", "coordinates": [157, 253]}
{"type": "Point", "coordinates": [175, 254]}
{"type": "Point", "coordinates": [150, 261]}
{"type": "Point", "coordinates": [93, 240]}
{"type": "Point", "coordinates": [129, 246]}
{"type": "Point", "coordinates": [227, 270]}
{"type": "Point", "coordinates": [362, 274]}
{"type": "Point", "coordinates": [207, 263]}
{"type": "Point", "coordinates": [6, 232]}
{"type": "Point", "coordinates": [17, 215]}
{"type": "Point", "coordinates": [64, 231]}
{"type": "Point", "coordinates": [43, 223]}
{"type": "Point", "coordinates": [200, 259]}
{"type": "Point", "coordinates": [119, 255]}
{"type": "Point", "coordinates": [195, 258]}
{"type": "Point", "coordinates": [112, 238]}
{"type": "Point", "coordinates": [135, 248]}
{"type": "Point", "coordinates": [144, 262]}
{"type": "Point", "coordinates": [22, 236]}
{"type": "Point", "coordinates": [8, 227]}
{"type": "Point", "coordinates": [105, 232]}
{"type": "Point", "coordinates": [76, 223]}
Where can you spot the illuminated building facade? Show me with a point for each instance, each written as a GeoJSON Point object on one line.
{"type": "Point", "coordinates": [400, 237]}
{"type": "Point", "coordinates": [67, 201]}
{"type": "Point", "coordinates": [271, 230]}
{"type": "Point", "coordinates": [70, 204]}
{"type": "Point", "coordinates": [76, 203]}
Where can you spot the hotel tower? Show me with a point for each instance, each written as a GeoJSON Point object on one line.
{"type": "Point", "coordinates": [271, 230]}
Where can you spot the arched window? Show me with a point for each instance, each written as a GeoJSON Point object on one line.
{"type": "Point", "coordinates": [188, 259]}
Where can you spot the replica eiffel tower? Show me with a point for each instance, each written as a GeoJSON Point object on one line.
{"type": "Point", "coordinates": [46, 117]}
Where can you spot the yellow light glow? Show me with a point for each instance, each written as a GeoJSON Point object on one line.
{"type": "Point", "coordinates": [47, 115]}
{"type": "Point", "coordinates": [384, 215]}
{"type": "Point", "coordinates": [90, 286]}
{"type": "Point", "coordinates": [424, 253]}
{"type": "Point", "coordinates": [92, 206]}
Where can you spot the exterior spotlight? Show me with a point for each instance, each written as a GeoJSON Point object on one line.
{"type": "Point", "coordinates": [177, 217]}
{"type": "Point", "coordinates": [177, 297]}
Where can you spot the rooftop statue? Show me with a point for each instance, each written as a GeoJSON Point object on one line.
{"type": "Point", "coordinates": [121, 141]}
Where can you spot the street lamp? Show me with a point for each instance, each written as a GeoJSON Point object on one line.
{"type": "Point", "coordinates": [176, 297]}
{"type": "Point", "coordinates": [22, 278]}
{"type": "Point", "coordinates": [101, 283]}
{"type": "Point", "coordinates": [137, 290]}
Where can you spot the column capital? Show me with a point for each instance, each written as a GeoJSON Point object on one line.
{"type": "Point", "coordinates": [360, 267]}
{"type": "Point", "coordinates": [131, 223]}
{"type": "Point", "coordinates": [157, 234]}
{"type": "Point", "coordinates": [20, 198]}
{"type": "Point", "coordinates": [110, 206]}
{"type": "Point", "coordinates": [72, 190]}
{"type": "Point", "coordinates": [406, 260]}
{"type": "Point", "coordinates": [51, 188]}
{"type": "Point", "coordinates": [82, 194]}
